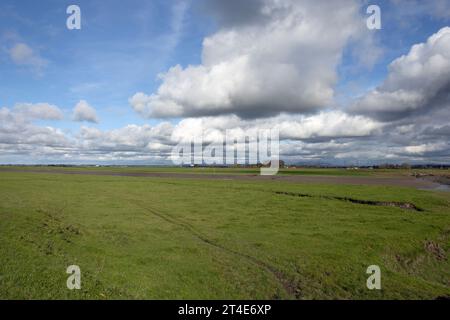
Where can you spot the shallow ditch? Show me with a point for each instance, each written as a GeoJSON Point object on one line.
{"type": "Point", "coordinates": [402, 205]}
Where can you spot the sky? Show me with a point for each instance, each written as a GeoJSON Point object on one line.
{"type": "Point", "coordinates": [141, 76]}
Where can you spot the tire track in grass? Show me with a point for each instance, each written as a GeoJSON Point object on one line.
{"type": "Point", "coordinates": [287, 284]}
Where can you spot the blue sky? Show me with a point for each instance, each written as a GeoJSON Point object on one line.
{"type": "Point", "coordinates": [123, 46]}
{"type": "Point", "coordinates": [403, 25]}
{"type": "Point", "coordinates": [120, 50]}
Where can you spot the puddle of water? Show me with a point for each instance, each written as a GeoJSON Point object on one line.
{"type": "Point", "coordinates": [440, 187]}
{"type": "Point", "coordinates": [443, 187]}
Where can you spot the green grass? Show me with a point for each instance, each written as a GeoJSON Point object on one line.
{"type": "Point", "coordinates": [152, 238]}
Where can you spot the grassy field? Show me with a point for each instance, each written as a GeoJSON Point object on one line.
{"type": "Point", "coordinates": [155, 238]}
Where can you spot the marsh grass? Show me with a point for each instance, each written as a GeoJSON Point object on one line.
{"type": "Point", "coordinates": [154, 238]}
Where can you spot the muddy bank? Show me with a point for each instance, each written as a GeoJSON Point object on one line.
{"type": "Point", "coordinates": [441, 182]}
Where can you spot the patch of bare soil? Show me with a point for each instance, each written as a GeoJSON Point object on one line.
{"type": "Point", "coordinates": [436, 250]}
{"type": "Point", "coordinates": [432, 249]}
{"type": "Point", "coordinates": [442, 180]}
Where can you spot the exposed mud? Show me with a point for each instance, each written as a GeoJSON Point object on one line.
{"type": "Point", "coordinates": [402, 205]}
{"type": "Point", "coordinates": [441, 182]}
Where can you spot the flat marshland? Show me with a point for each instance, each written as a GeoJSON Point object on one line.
{"type": "Point", "coordinates": [163, 236]}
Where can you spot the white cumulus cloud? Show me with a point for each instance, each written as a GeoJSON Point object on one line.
{"type": "Point", "coordinates": [38, 111]}
{"type": "Point", "coordinates": [284, 61]}
{"type": "Point", "coordinates": [417, 82]}
{"type": "Point", "coordinates": [84, 112]}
